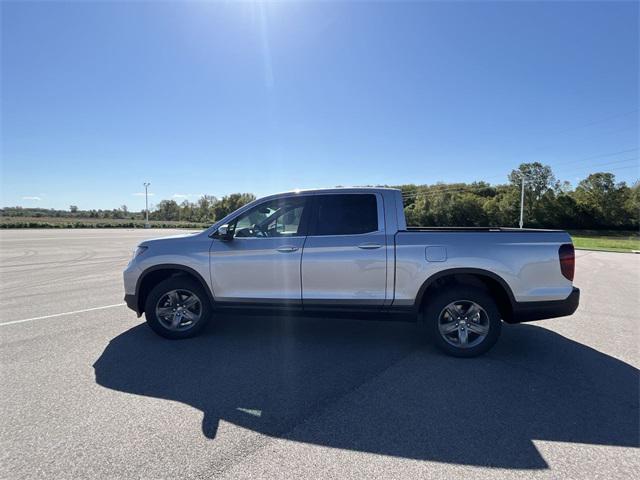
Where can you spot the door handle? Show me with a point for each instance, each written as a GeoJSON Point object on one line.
{"type": "Point", "coordinates": [287, 249]}
{"type": "Point", "coordinates": [369, 246]}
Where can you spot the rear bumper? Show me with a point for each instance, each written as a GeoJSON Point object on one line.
{"type": "Point", "coordinates": [530, 311]}
{"type": "Point", "coordinates": [132, 303]}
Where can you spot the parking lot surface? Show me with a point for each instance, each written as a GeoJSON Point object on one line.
{"type": "Point", "coordinates": [88, 391]}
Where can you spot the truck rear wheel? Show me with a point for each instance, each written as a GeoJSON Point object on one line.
{"type": "Point", "coordinates": [464, 321]}
{"type": "Point", "coordinates": [177, 307]}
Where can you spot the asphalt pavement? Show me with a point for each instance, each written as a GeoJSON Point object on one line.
{"type": "Point", "coordinates": [88, 391]}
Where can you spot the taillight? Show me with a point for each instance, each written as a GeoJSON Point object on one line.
{"type": "Point", "coordinates": [567, 260]}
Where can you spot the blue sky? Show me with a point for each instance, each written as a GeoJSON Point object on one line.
{"type": "Point", "coordinates": [224, 97]}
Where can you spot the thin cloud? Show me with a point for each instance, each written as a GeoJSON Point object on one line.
{"type": "Point", "coordinates": [32, 198]}
{"type": "Point", "coordinates": [141, 194]}
{"type": "Point", "coordinates": [186, 195]}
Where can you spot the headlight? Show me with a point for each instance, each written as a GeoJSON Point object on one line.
{"type": "Point", "coordinates": [139, 251]}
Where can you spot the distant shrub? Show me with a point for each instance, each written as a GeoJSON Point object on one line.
{"type": "Point", "coordinates": [16, 222]}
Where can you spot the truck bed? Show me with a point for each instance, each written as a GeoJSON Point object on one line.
{"type": "Point", "coordinates": [526, 259]}
{"type": "Point", "coordinates": [477, 229]}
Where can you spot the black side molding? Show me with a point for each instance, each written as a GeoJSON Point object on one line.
{"type": "Point", "coordinates": [530, 311]}
{"type": "Point", "coordinates": [132, 303]}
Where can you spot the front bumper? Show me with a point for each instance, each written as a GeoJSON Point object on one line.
{"type": "Point", "coordinates": [530, 311]}
{"type": "Point", "coordinates": [132, 303]}
{"type": "Point", "coordinates": [131, 275]}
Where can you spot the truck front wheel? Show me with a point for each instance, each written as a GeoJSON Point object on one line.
{"type": "Point", "coordinates": [177, 307]}
{"type": "Point", "coordinates": [463, 321]}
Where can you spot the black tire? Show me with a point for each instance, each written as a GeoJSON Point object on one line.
{"type": "Point", "coordinates": [181, 284]}
{"type": "Point", "coordinates": [489, 316]}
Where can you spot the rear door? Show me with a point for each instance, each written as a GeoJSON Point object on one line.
{"type": "Point", "coordinates": [344, 260]}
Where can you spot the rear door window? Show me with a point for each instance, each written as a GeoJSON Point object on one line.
{"type": "Point", "coordinates": [346, 214]}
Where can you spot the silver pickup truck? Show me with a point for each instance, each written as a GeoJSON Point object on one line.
{"type": "Point", "coordinates": [350, 250]}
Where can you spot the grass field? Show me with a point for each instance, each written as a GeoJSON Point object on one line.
{"type": "Point", "coordinates": [62, 222]}
{"type": "Point", "coordinates": [624, 241]}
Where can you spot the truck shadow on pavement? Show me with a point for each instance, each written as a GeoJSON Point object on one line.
{"type": "Point", "coordinates": [378, 387]}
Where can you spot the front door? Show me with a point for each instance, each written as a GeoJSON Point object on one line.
{"type": "Point", "coordinates": [344, 262]}
{"type": "Point", "coordinates": [261, 264]}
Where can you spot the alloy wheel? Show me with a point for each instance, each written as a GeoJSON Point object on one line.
{"type": "Point", "coordinates": [179, 310]}
{"type": "Point", "coordinates": [463, 324]}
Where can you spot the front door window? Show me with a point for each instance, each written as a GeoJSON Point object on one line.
{"type": "Point", "coordinates": [274, 218]}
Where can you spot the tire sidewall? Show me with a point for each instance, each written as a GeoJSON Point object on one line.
{"type": "Point", "coordinates": [435, 306]}
{"type": "Point", "coordinates": [176, 283]}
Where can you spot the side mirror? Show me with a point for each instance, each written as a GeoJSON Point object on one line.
{"type": "Point", "coordinates": [223, 233]}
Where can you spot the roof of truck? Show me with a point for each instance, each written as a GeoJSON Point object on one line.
{"type": "Point", "coordinates": [336, 189]}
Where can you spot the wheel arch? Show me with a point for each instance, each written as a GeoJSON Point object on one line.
{"type": "Point", "coordinates": [151, 276]}
{"type": "Point", "coordinates": [493, 283]}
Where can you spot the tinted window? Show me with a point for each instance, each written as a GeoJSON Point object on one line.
{"type": "Point", "coordinates": [347, 214]}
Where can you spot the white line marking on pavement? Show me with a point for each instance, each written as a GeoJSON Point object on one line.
{"type": "Point", "coordinates": [62, 314]}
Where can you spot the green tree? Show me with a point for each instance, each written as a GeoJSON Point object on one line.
{"type": "Point", "coordinates": [205, 209]}
{"type": "Point", "coordinates": [503, 209]}
{"type": "Point", "coordinates": [230, 203]}
{"type": "Point", "coordinates": [538, 178]}
{"type": "Point", "coordinates": [604, 199]}
{"type": "Point", "coordinates": [632, 205]}
{"type": "Point", "coordinates": [166, 210]}
{"type": "Point", "coordinates": [539, 182]}
{"type": "Point", "coordinates": [466, 210]}
{"type": "Point", "coordinates": [187, 211]}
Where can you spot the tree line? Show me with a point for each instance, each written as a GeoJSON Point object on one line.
{"type": "Point", "coordinates": [207, 209]}
{"type": "Point", "coordinates": [597, 202]}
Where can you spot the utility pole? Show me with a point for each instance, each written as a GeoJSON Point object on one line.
{"type": "Point", "coordinates": [146, 205]}
{"type": "Point", "coordinates": [522, 201]}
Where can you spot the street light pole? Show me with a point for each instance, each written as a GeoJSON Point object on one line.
{"type": "Point", "coordinates": [522, 201]}
{"type": "Point", "coordinates": [146, 204]}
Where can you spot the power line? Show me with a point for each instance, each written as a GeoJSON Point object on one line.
{"type": "Point", "coordinates": [599, 156]}
{"type": "Point", "coordinates": [434, 191]}
{"type": "Point", "coordinates": [591, 157]}
{"type": "Point", "coordinates": [633, 127]}
{"type": "Point", "coordinates": [595, 122]}
{"type": "Point", "coordinates": [566, 163]}
{"type": "Point", "coordinates": [615, 162]}
{"type": "Point", "coordinates": [578, 160]}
